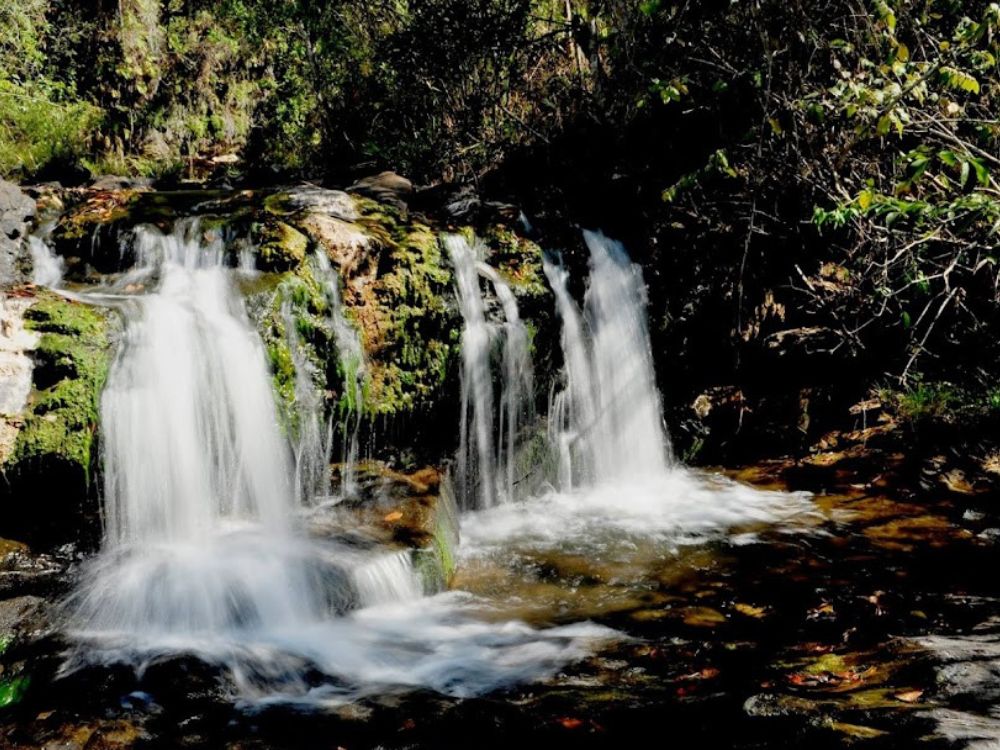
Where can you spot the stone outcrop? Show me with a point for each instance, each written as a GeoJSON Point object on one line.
{"type": "Point", "coordinates": [51, 451]}
{"type": "Point", "coordinates": [16, 212]}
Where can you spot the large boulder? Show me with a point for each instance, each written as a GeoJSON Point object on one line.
{"type": "Point", "coordinates": [16, 212]}
{"type": "Point", "coordinates": [385, 187]}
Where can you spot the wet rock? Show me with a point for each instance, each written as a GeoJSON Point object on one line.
{"type": "Point", "coordinates": [16, 211]}
{"type": "Point", "coordinates": [16, 345]}
{"type": "Point", "coordinates": [23, 572]}
{"type": "Point", "coordinates": [399, 511]}
{"type": "Point", "coordinates": [345, 243]}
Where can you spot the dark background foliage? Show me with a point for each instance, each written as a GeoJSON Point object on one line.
{"type": "Point", "coordinates": [810, 186]}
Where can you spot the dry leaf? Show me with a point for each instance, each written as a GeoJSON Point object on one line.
{"type": "Point", "coordinates": [749, 610]}
{"type": "Point", "coordinates": [909, 696]}
{"type": "Point", "coordinates": [394, 516]}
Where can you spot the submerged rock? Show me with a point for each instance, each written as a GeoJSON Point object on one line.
{"type": "Point", "coordinates": [397, 511]}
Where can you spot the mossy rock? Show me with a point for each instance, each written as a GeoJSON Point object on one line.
{"type": "Point", "coordinates": [282, 246]}
{"type": "Point", "coordinates": [50, 472]}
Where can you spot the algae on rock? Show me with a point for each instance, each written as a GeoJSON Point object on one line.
{"type": "Point", "coordinates": [55, 452]}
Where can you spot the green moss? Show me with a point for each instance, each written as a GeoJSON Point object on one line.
{"type": "Point", "coordinates": [72, 361]}
{"type": "Point", "coordinates": [413, 318]}
{"type": "Point", "coordinates": [435, 561]}
{"type": "Point", "coordinates": [13, 690]}
{"type": "Point", "coordinates": [55, 314]}
{"type": "Point", "coordinates": [307, 311]}
{"type": "Point", "coordinates": [517, 259]}
{"type": "Point", "coordinates": [282, 246]}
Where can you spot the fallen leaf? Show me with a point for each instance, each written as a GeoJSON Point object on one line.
{"type": "Point", "coordinates": [569, 722]}
{"type": "Point", "coordinates": [909, 696]}
{"type": "Point", "coordinates": [394, 516]}
{"type": "Point", "coordinates": [749, 610]}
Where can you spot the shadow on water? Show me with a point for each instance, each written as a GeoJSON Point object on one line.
{"type": "Point", "coordinates": [873, 621]}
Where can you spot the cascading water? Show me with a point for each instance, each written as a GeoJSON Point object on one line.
{"type": "Point", "coordinates": [518, 382]}
{"type": "Point", "coordinates": [351, 358]}
{"type": "Point", "coordinates": [615, 475]}
{"type": "Point", "coordinates": [47, 268]}
{"type": "Point", "coordinates": [484, 474]}
{"type": "Point", "coordinates": [609, 414]}
{"type": "Point", "coordinates": [475, 461]}
{"type": "Point", "coordinates": [196, 470]}
{"type": "Point", "coordinates": [571, 409]}
{"type": "Point", "coordinates": [207, 550]}
{"type": "Point", "coordinates": [311, 447]}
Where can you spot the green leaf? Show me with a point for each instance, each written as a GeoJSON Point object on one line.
{"type": "Point", "coordinates": [959, 80]}
{"type": "Point", "coordinates": [907, 322]}
{"type": "Point", "coordinates": [982, 173]}
{"type": "Point", "coordinates": [884, 123]}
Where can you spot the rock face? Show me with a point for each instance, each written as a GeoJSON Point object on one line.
{"type": "Point", "coordinates": [397, 290]}
{"type": "Point", "coordinates": [395, 282]}
{"type": "Point", "coordinates": [53, 453]}
{"type": "Point", "coordinates": [16, 211]}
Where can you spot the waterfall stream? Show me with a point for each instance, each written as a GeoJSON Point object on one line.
{"type": "Point", "coordinates": [487, 475]}
{"type": "Point", "coordinates": [47, 268]}
{"type": "Point", "coordinates": [615, 479]}
{"type": "Point", "coordinates": [351, 358]}
{"type": "Point", "coordinates": [208, 549]}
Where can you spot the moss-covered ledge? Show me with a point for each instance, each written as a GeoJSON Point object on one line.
{"type": "Point", "coordinates": [50, 471]}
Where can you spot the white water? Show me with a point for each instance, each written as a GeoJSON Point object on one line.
{"type": "Point", "coordinates": [47, 268]}
{"type": "Point", "coordinates": [205, 550]}
{"type": "Point", "coordinates": [615, 478]}
{"type": "Point", "coordinates": [486, 474]}
{"type": "Point", "coordinates": [476, 476]}
{"type": "Point", "coordinates": [351, 356]}
{"type": "Point", "coordinates": [311, 448]}
{"type": "Point", "coordinates": [518, 382]}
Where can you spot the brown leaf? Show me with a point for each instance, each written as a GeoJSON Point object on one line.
{"type": "Point", "coordinates": [394, 516]}
{"type": "Point", "coordinates": [570, 722]}
{"type": "Point", "coordinates": [909, 696]}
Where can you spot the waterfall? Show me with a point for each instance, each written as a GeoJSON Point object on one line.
{"type": "Point", "coordinates": [479, 465]}
{"type": "Point", "coordinates": [312, 438]}
{"type": "Point", "coordinates": [47, 268]}
{"type": "Point", "coordinates": [606, 423]}
{"type": "Point", "coordinates": [351, 359]}
{"type": "Point", "coordinates": [387, 579]}
{"type": "Point", "coordinates": [475, 462]}
{"type": "Point", "coordinates": [518, 381]}
{"type": "Point", "coordinates": [196, 469]}
{"type": "Point", "coordinates": [616, 481]}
